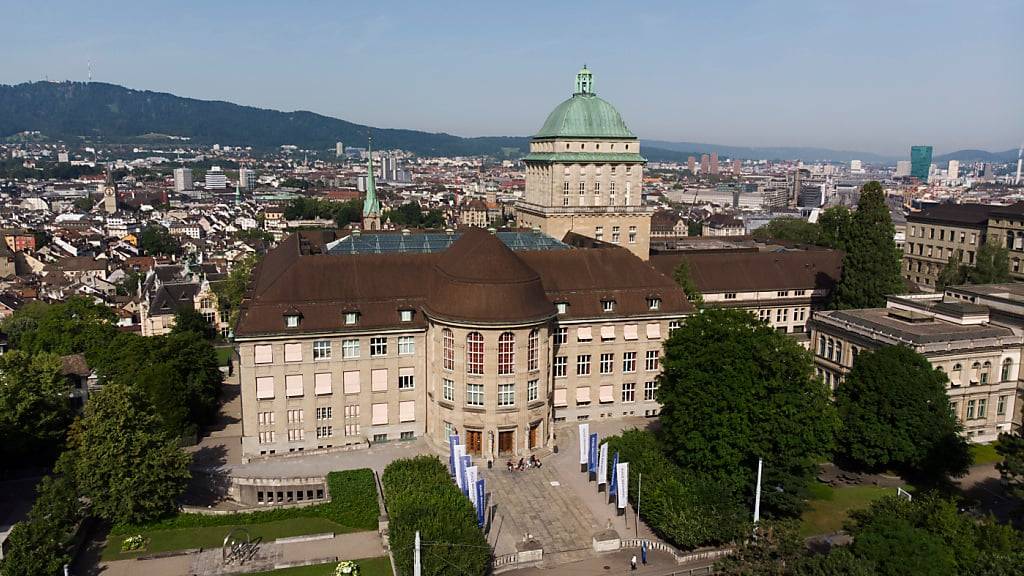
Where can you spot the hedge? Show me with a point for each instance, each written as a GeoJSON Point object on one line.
{"type": "Point", "coordinates": [684, 508]}
{"type": "Point", "coordinates": [420, 495]}
{"type": "Point", "coordinates": [353, 504]}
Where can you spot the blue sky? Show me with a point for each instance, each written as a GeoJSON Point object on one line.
{"type": "Point", "coordinates": [872, 76]}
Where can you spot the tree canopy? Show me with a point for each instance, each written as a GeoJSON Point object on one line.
{"type": "Point", "coordinates": [190, 320]}
{"type": "Point", "coordinates": [231, 290]}
{"type": "Point", "coordinates": [1011, 448]}
{"type": "Point", "coordinates": [40, 543]}
{"type": "Point", "coordinates": [309, 208]}
{"type": "Point", "coordinates": [411, 215]}
{"type": "Point", "coordinates": [155, 240]}
{"type": "Point", "coordinates": [895, 414]}
{"type": "Point", "coordinates": [830, 230]}
{"type": "Point", "coordinates": [734, 390]}
{"type": "Point", "coordinates": [991, 266]}
{"type": "Point", "coordinates": [681, 275]}
{"type": "Point", "coordinates": [871, 266]}
{"type": "Point", "coordinates": [34, 409]}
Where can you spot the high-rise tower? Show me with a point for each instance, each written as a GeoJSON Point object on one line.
{"type": "Point", "coordinates": [584, 174]}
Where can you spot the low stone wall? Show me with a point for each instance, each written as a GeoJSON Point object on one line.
{"type": "Point", "coordinates": [276, 457]}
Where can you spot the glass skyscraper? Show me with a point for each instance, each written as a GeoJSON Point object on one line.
{"type": "Point", "coordinates": [920, 162]}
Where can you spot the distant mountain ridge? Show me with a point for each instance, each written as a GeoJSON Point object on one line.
{"type": "Point", "coordinates": [96, 111]}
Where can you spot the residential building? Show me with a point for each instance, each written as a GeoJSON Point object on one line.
{"type": "Point", "coordinates": [939, 232]}
{"type": "Point", "coordinates": [953, 171]}
{"type": "Point", "coordinates": [980, 357]}
{"type": "Point", "coordinates": [343, 347]}
{"type": "Point", "coordinates": [584, 173]}
{"type": "Point", "coordinates": [1006, 228]}
{"type": "Point", "coordinates": [246, 178]}
{"type": "Point", "coordinates": [723, 225]}
{"type": "Point", "coordinates": [902, 168]}
{"type": "Point", "coordinates": [216, 179]}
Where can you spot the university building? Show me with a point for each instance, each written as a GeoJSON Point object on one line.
{"type": "Point", "coordinates": [980, 354]}
{"type": "Point", "coordinates": [380, 337]}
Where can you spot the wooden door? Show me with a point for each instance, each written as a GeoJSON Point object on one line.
{"type": "Point", "coordinates": [534, 431]}
{"type": "Point", "coordinates": [506, 441]}
{"type": "Point", "coordinates": [474, 441]}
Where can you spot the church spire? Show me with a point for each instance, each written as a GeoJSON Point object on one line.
{"type": "Point", "coordinates": [371, 206]}
{"type": "Point", "coordinates": [584, 81]}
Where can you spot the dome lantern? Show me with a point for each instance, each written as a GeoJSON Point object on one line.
{"type": "Point", "coordinates": [584, 81]}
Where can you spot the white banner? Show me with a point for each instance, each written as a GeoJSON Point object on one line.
{"type": "Point", "coordinates": [460, 480]}
{"type": "Point", "coordinates": [584, 443]}
{"type": "Point", "coordinates": [622, 475]}
{"type": "Point", "coordinates": [602, 465]}
{"type": "Point", "coordinates": [472, 475]}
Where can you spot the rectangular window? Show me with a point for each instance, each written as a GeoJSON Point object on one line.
{"type": "Point", "coordinates": [321, 350]}
{"type": "Point", "coordinates": [379, 346]}
{"type": "Point", "coordinates": [653, 303]}
{"type": "Point", "coordinates": [474, 394]}
{"type": "Point", "coordinates": [405, 315]}
{"type": "Point", "coordinates": [650, 390]}
{"type": "Point", "coordinates": [291, 321]}
{"type": "Point", "coordinates": [562, 307]}
{"type": "Point", "coordinates": [406, 345]}
{"type": "Point", "coordinates": [352, 411]}
{"type": "Point", "coordinates": [674, 325]}
{"type": "Point", "coordinates": [351, 382]}
{"type": "Point", "coordinates": [264, 387]}
{"type": "Point", "coordinates": [351, 318]}
{"type": "Point", "coordinates": [407, 411]}
{"type": "Point", "coordinates": [532, 390]}
{"type": "Point", "coordinates": [405, 436]}
{"type": "Point", "coordinates": [267, 418]}
{"type": "Point", "coordinates": [607, 360]}
{"type": "Point", "coordinates": [266, 437]}
{"type": "Point", "coordinates": [1001, 406]}
{"type": "Point", "coordinates": [448, 389]}
{"type": "Point", "coordinates": [629, 392]}
{"type": "Point", "coordinates": [380, 438]}
{"type": "Point", "coordinates": [296, 435]}
{"type": "Point", "coordinates": [628, 362]}
{"type": "Point", "coordinates": [632, 234]}
{"type": "Point", "coordinates": [293, 385]}
{"type": "Point", "coordinates": [608, 305]}
{"type": "Point", "coordinates": [981, 407]}
{"type": "Point", "coordinates": [406, 378]}
{"type": "Point", "coordinates": [799, 292]}
{"type": "Point", "coordinates": [615, 234]}
{"type": "Point", "coordinates": [583, 365]}
{"type": "Point", "coordinates": [561, 335]}
{"type": "Point", "coordinates": [584, 334]}
{"type": "Point", "coordinates": [379, 414]}
{"type": "Point", "coordinates": [559, 368]}
{"type": "Point", "coordinates": [324, 412]}
{"type": "Point", "coordinates": [293, 352]}
{"type": "Point", "coordinates": [351, 429]}
{"type": "Point", "coordinates": [350, 348]}
{"type": "Point", "coordinates": [379, 380]}
{"type": "Point", "coordinates": [730, 295]}
{"type": "Point", "coordinates": [970, 409]}
{"type": "Point", "coordinates": [322, 383]}
{"type": "Point", "coordinates": [599, 233]}
{"type": "Point", "coordinates": [533, 351]}
{"type": "Point", "coordinates": [263, 354]}
{"type": "Point", "coordinates": [506, 394]}
{"type": "Point", "coordinates": [324, 431]}
{"type": "Point", "coordinates": [651, 360]}
{"type": "Point", "coordinates": [295, 417]}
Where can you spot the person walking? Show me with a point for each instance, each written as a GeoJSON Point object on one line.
{"type": "Point", "coordinates": [632, 563]}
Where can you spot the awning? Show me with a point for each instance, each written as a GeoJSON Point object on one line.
{"type": "Point", "coordinates": [380, 414]}
{"type": "Point", "coordinates": [293, 352]}
{"type": "Point", "coordinates": [293, 385]}
{"type": "Point", "coordinates": [607, 332]}
{"type": "Point", "coordinates": [264, 387]}
{"type": "Point", "coordinates": [654, 331]}
{"type": "Point", "coordinates": [583, 333]}
{"type": "Point", "coordinates": [583, 395]}
{"type": "Point", "coordinates": [560, 400]}
{"type": "Point", "coordinates": [629, 332]}
{"type": "Point", "coordinates": [351, 382]}
{"type": "Point", "coordinates": [407, 411]}
{"type": "Point", "coordinates": [379, 380]}
{"type": "Point", "coordinates": [263, 354]}
{"type": "Point", "coordinates": [607, 393]}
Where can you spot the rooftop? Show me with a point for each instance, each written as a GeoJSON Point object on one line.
{"type": "Point", "coordinates": [910, 330]}
{"type": "Point", "coordinates": [431, 242]}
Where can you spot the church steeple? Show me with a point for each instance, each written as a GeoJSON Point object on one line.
{"type": "Point", "coordinates": [371, 206]}
{"type": "Point", "coordinates": [584, 81]}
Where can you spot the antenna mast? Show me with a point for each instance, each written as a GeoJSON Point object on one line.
{"type": "Point", "coordinates": [90, 70]}
{"type": "Point", "coordinates": [1020, 155]}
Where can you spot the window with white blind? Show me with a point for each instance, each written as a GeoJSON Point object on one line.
{"type": "Point", "coordinates": [606, 393]}
{"type": "Point", "coordinates": [560, 397]}
{"type": "Point", "coordinates": [351, 382]}
{"type": "Point", "coordinates": [293, 385]}
{"type": "Point", "coordinates": [584, 334]}
{"type": "Point", "coordinates": [629, 332]}
{"type": "Point", "coordinates": [352, 411]}
{"type": "Point", "coordinates": [263, 354]}
{"type": "Point", "coordinates": [654, 331]}
{"type": "Point", "coordinates": [293, 352]}
{"type": "Point", "coordinates": [379, 380]}
{"type": "Point", "coordinates": [322, 383]}
{"type": "Point", "coordinates": [264, 387]}
{"type": "Point", "coordinates": [379, 414]}
{"type": "Point", "coordinates": [407, 411]}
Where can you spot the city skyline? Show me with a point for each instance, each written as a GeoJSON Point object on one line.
{"type": "Point", "coordinates": [454, 70]}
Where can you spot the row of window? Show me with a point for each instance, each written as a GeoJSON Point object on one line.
{"type": "Point", "coordinates": [323, 383]}
{"type": "Point", "coordinates": [351, 318]}
{"type": "Point", "coordinates": [606, 362]}
{"type": "Point", "coordinates": [475, 393]}
{"type": "Point", "coordinates": [976, 408]}
{"type": "Point", "coordinates": [378, 417]}
{"type": "Point", "coordinates": [979, 373]}
{"type": "Point", "coordinates": [630, 332]}
{"type": "Point", "coordinates": [323, 349]}
{"type": "Point", "coordinates": [616, 236]}
{"type": "Point", "coordinates": [938, 252]}
{"type": "Point", "coordinates": [833, 349]}
{"type": "Point", "coordinates": [506, 352]}
{"type": "Point", "coordinates": [930, 232]}
{"type": "Point", "coordinates": [606, 394]}
{"type": "Point", "coordinates": [782, 315]}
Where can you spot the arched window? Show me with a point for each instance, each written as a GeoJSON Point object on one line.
{"type": "Point", "coordinates": [533, 351]}
{"type": "Point", "coordinates": [985, 370]}
{"type": "Point", "coordinates": [839, 352]}
{"type": "Point", "coordinates": [448, 349]}
{"type": "Point", "coordinates": [506, 353]}
{"type": "Point", "coordinates": [821, 346]}
{"type": "Point", "coordinates": [976, 372]}
{"type": "Point", "coordinates": [474, 353]}
{"type": "Point", "coordinates": [831, 348]}
{"type": "Point", "coordinates": [1007, 365]}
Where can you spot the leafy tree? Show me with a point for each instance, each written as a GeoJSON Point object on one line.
{"type": "Point", "coordinates": [155, 240]}
{"type": "Point", "coordinates": [734, 390]}
{"type": "Point", "coordinates": [39, 545]}
{"type": "Point", "coordinates": [791, 230]}
{"type": "Point", "coordinates": [682, 277]}
{"type": "Point", "coordinates": [835, 226]}
{"type": "Point", "coordinates": [34, 408]}
{"type": "Point", "coordinates": [1011, 448]}
{"type": "Point", "coordinates": [253, 235]}
{"type": "Point", "coordinates": [897, 548]}
{"type": "Point", "coordinates": [871, 267]}
{"type": "Point", "coordinates": [74, 326]}
{"type": "Point", "coordinates": [777, 546]}
{"type": "Point", "coordinates": [191, 320]}
{"type": "Point", "coordinates": [953, 273]}
{"type": "Point", "coordinates": [991, 266]}
{"type": "Point", "coordinates": [231, 290]}
{"type": "Point", "coordinates": [411, 215]}
{"type": "Point", "coordinates": [121, 459]}
{"type": "Point", "coordinates": [895, 414]}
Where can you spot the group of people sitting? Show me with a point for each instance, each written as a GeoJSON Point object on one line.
{"type": "Point", "coordinates": [533, 462]}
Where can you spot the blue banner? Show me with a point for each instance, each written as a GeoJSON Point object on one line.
{"type": "Point", "coordinates": [613, 486]}
{"type": "Point", "coordinates": [592, 454]}
{"type": "Point", "coordinates": [466, 463]}
{"type": "Point", "coordinates": [482, 503]}
{"type": "Point", "coordinates": [453, 440]}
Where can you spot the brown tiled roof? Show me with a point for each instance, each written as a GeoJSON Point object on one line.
{"type": "Point", "coordinates": [971, 215]}
{"type": "Point", "coordinates": [758, 271]}
{"type": "Point", "coordinates": [478, 279]}
{"type": "Point", "coordinates": [664, 220]}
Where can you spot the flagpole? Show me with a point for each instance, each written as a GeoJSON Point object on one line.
{"type": "Point", "coordinates": [757, 495]}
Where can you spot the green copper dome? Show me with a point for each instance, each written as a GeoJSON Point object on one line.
{"type": "Point", "coordinates": [584, 115]}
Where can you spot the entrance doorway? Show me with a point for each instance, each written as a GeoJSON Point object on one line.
{"type": "Point", "coordinates": [506, 441]}
{"type": "Point", "coordinates": [534, 433]}
{"type": "Point", "coordinates": [474, 441]}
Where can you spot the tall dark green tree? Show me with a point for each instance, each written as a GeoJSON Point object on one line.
{"type": "Point", "coordinates": [34, 409]}
{"type": "Point", "coordinates": [992, 265]}
{"type": "Point", "coordinates": [835, 226]}
{"type": "Point", "coordinates": [734, 390]}
{"type": "Point", "coordinates": [954, 273]}
{"type": "Point", "coordinates": [40, 543]}
{"type": "Point", "coordinates": [895, 414]}
{"type": "Point", "coordinates": [684, 279]}
{"type": "Point", "coordinates": [871, 267]}
{"type": "Point", "coordinates": [122, 460]}
{"type": "Point", "coordinates": [190, 320]}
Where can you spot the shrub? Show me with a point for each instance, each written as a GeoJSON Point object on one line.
{"type": "Point", "coordinates": [421, 496]}
{"type": "Point", "coordinates": [686, 509]}
{"type": "Point", "coordinates": [353, 504]}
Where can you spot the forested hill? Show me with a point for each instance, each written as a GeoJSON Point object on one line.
{"type": "Point", "coordinates": [96, 111]}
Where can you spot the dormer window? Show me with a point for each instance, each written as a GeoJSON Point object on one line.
{"type": "Point", "coordinates": [291, 320]}
{"type": "Point", "coordinates": [653, 303]}
{"type": "Point", "coordinates": [405, 315]}
{"type": "Point", "coordinates": [608, 305]}
{"type": "Point", "coordinates": [562, 307]}
{"type": "Point", "coordinates": [351, 318]}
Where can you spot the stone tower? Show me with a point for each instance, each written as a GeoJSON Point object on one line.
{"type": "Point", "coordinates": [110, 193]}
{"type": "Point", "coordinates": [584, 174]}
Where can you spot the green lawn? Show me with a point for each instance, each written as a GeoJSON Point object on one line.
{"type": "Point", "coordinates": [985, 453]}
{"type": "Point", "coordinates": [213, 536]}
{"type": "Point", "coordinates": [224, 355]}
{"type": "Point", "coordinates": [828, 506]}
{"type": "Point", "coordinates": [367, 567]}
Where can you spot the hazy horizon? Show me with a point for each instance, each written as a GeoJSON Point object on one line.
{"type": "Point", "coordinates": [866, 77]}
